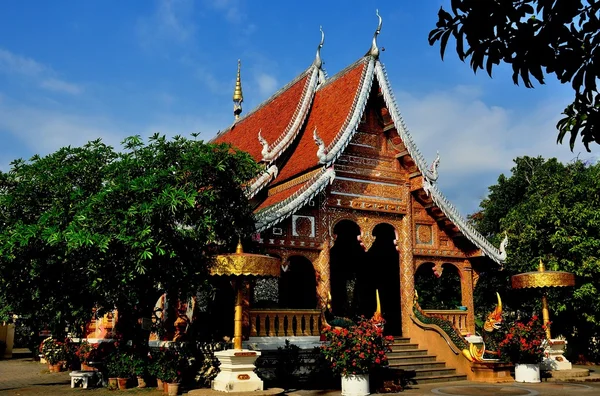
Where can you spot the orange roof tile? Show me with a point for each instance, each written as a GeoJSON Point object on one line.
{"type": "Point", "coordinates": [273, 117]}
{"type": "Point", "coordinates": [279, 196]}
{"type": "Point", "coordinates": [331, 106]}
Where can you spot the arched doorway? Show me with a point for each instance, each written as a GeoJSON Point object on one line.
{"type": "Point", "coordinates": [381, 271]}
{"type": "Point", "coordinates": [438, 287]}
{"type": "Point", "coordinates": [297, 284]}
{"type": "Point", "coordinates": [345, 257]}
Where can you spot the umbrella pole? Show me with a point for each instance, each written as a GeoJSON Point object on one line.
{"type": "Point", "coordinates": [237, 327]}
{"type": "Point", "coordinates": [546, 315]}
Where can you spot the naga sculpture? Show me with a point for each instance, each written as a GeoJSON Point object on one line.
{"type": "Point", "coordinates": [329, 320]}
{"type": "Point", "coordinates": [493, 322]}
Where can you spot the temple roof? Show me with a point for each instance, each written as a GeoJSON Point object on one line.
{"type": "Point", "coordinates": [312, 110]}
{"type": "Point", "coordinates": [278, 119]}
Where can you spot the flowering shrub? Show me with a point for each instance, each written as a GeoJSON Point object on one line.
{"type": "Point", "coordinates": [84, 351]}
{"type": "Point", "coordinates": [101, 351]}
{"type": "Point", "coordinates": [356, 350]}
{"type": "Point", "coordinates": [55, 351]}
{"type": "Point", "coordinates": [524, 342]}
{"type": "Point", "coordinates": [170, 364]}
{"type": "Point", "coordinates": [120, 364]}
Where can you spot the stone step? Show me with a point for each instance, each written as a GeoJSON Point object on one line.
{"type": "Point", "coordinates": [417, 365]}
{"type": "Point", "coordinates": [432, 372]}
{"type": "Point", "coordinates": [441, 378]}
{"type": "Point", "coordinates": [412, 359]}
{"type": "Point", "coordinates": [406, 352]}
{"type": "Point", "coordinates": [401, 347]}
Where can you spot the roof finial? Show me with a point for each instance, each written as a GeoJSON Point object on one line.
{"type": "Point", "coordinates": [318, 61]}
{"type": "Point", "coordinates": [238, 97]}
{"type": "Point", "coordinates": [374, 51]}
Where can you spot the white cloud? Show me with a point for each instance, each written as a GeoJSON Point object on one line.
{"type": "Point", "coordinates": [43, 130]}
{"type": "Point", "coordinates": [172, 21]}
{"type": "Point", "coordinates": [40, 130]}
{"type": "Point", "coordinates": [266, 84]}
{"type": "Point", "coordinates": [44, 76]}
{"type": "Point", "coordinates": [231, 9]}
{"type": "Point", "coordinates": [477, 141]}
{"type": "Point", "coordinates": [54, 84]}
{"type": "Point", "coordinates": [15, 64]}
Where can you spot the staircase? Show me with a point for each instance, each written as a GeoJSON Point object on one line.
{"type": "Point", "coordinates": [419, 367]}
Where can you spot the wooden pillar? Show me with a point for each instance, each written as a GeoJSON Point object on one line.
{"type": "Point", "coordinates": [323, 274]}
{"type": "Point", "coordinates": [407, 265]}
{"type": "Point", "coordinates": [466, 287]}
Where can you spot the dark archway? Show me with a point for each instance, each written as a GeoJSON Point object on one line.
{"type": "Point", "coordinates": [297, 284]}
{"type": "Point", "coordinates": [381, 271]}
{"type": "Point", "coordinates": [438, 291]}
{"type": "Point", "coordinates": [345, 257]}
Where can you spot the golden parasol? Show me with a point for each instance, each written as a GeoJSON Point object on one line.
{"type": "Point", "coordinates": [241, 265]}
{"type": "Point", "coordinates": [543, 279]}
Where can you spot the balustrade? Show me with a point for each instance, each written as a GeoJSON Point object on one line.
{"type": "Point", "coordinates": [284, 322]}
{"type": "Point", "coordinates": [456, 317]}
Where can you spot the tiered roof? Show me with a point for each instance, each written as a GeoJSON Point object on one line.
{"type": "Point", "coordinates": [327, 111]}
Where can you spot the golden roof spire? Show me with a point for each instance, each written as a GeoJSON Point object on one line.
{"type": "Point", "coordinates": [238, 96]}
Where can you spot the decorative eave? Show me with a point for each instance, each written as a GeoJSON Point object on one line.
{"type": "Point", "coordinates": [349, 128]}
{"type": "Point", "coordinates": [411, 147]}
{"type": "Point", "coordinates": [498, 255]}
{"type": "Point", "coordinates": [261, 180]}
{"type": "Point", "coordinates": [287, 137]}
{"type": "Point", "coordinates": [274, 214]}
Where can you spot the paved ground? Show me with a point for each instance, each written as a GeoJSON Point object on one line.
{"type": "Point", "coordinates": [24, 377]}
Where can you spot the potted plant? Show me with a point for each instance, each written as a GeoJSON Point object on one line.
{"type": "Point", "coordinates": [354, 352]}
{"type": "Point", "coordinates": [172, 376]}
{"type": "Point", "coordinates": [523, 345]}
{"type": "Point", "coordinates": [120, 365]}
{"type": "Point", "coordinates": [140, 369]}
{"type": "Point", "coordinates": [156, 366]}
{"type": "Point", "coordinates": [83, 353]}
{"type": "Point", "coordinates": [55, 352]}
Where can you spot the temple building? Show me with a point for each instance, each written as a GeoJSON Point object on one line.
{"type": "Point", "coordinates": [350, 205]}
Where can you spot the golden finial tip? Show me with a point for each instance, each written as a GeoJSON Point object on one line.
{"type": "Point", "coordinates": [239, 249]}
{"type": "Point", "coordinates": [541, 268]}
{"type": "Point", "coordinates": [238, 96]}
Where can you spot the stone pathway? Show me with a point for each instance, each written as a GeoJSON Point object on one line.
{"type": "Point", "coordinates": [24, 377]}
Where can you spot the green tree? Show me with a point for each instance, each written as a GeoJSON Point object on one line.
{"type": "Point", "coordinates": [535, 37]}
{"type": "Point", "coordinates": [550, 211]}
{"type": "Point", "coordinates": [85, 227]}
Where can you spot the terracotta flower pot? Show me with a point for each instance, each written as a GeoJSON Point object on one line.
{"type": "Point", "coordinates": [141, 382]}
{"type": "Point", "coordinates": [85, 367]}
{"type": "Point", "coordinates": [173, 389]}
{"type": "Point", "coordinates": [122, 383]}
{"type": "Point", "coordinates": [55, 368]}
{"type": "Point", "coordinates": [165, 388]}
{"type": "Point", "coordinates": [113, 384]}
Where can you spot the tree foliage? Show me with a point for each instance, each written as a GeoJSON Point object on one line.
{"type": "Point", "coordinates": [89, 226]}
{"type": "Point", "coordinates": [535, 37]}
{"type": "Point", "coordinates": [550, 211]}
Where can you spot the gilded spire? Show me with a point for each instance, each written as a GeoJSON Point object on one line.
{"type": "Point", "coordinates": [238, 96]}
{"type": "Point", "coordinates": [374, 51]}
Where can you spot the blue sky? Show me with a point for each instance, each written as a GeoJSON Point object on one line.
{"type": "Point", "coordinates": [72, 71]}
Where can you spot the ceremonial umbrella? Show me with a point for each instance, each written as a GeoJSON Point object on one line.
{"type": "Point", "coordinates": [543, 279]}
{"type": "Point", "coordinates": [240, 266]}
